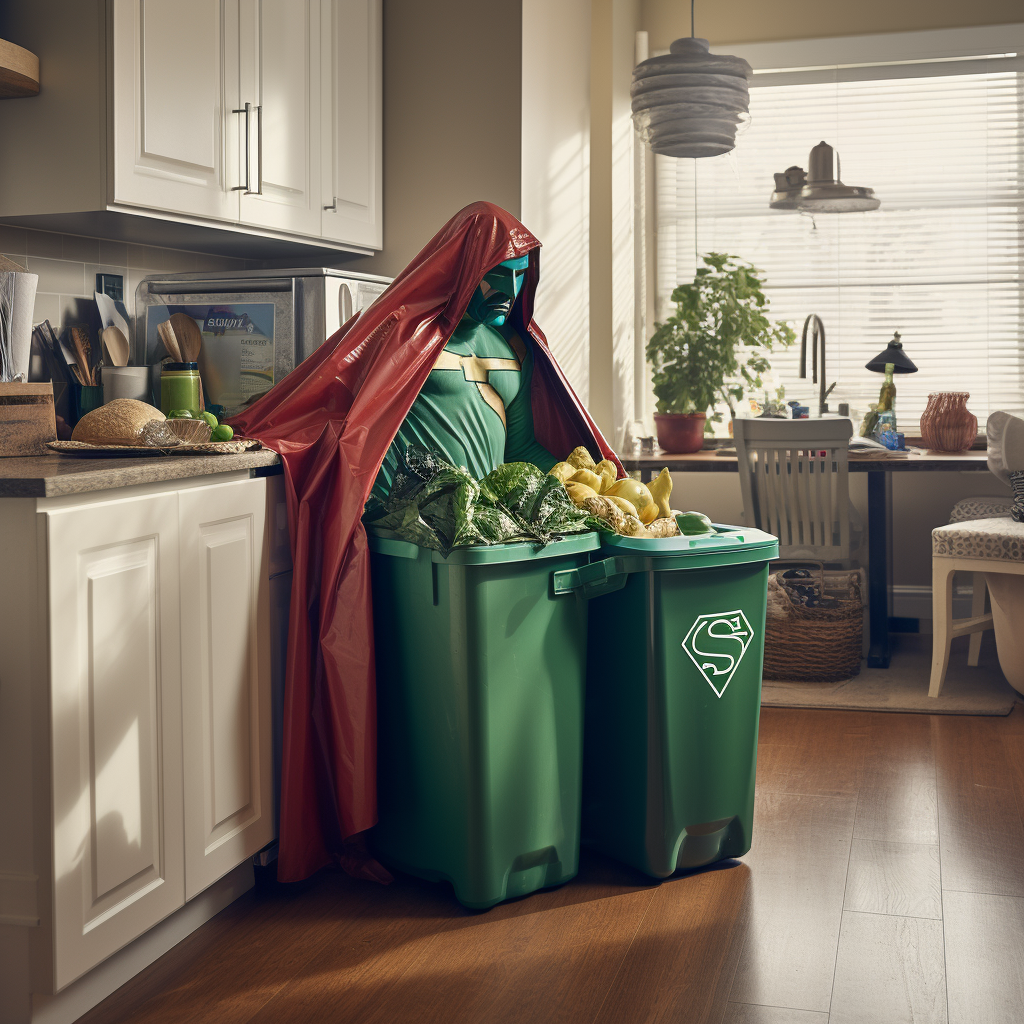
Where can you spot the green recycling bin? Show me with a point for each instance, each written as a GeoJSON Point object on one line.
{"type": "Point", "coordinates": [481, 670]}
{"type": "Point", "coordinates": [673, 695]}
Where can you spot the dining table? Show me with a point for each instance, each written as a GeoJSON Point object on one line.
{"type": "Point", "coordinates": [880, 471]}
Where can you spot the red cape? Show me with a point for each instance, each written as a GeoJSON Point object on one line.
{"type": "Point", "coordinates": [332, 420]}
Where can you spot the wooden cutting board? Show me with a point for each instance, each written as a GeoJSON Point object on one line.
{"type": "Point", "coordinates": [27, 421]}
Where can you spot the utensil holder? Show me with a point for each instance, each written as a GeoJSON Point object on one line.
{"type": "Point", "coordinates": [84, 398]}
{"type": "Point", "coordinates": [126, 382]}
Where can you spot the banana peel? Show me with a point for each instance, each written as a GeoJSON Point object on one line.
{"type": "Point", "coordinates": [661, 491]}
{"type": "Point", "coordinates": [581, 459]}
{"type": "Point", "coordinates": [562, 471]}
{"type": "Point", "coordinates": [608, 473]}
{"type": "Point", "coordinates": [588, 477]}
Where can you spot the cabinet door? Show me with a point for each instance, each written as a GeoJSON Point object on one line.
{"type": "Point", "coordinates": [225, 653]}
{"type": "Point", "coordinates": [116, 725]}
{"type": "Point", "coordinates": [280, 76]}
{"type": "Point", "coordinates": [350, 136]}
{"type": "Point", "coordinates": [175, 86]}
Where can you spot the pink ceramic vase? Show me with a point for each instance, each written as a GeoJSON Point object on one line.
{"type": "Point", "coordinates": [947, 425]}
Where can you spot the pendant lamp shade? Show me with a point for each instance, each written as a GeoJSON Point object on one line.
{"type": "Point", "coordinates": [892, 353]}
{"type": "Point", "coordinates": [690, 101]}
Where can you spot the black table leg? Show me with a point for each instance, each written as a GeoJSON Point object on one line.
{"type": "Point", "coordinates": [879, 566]}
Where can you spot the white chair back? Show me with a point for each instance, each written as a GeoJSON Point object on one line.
{"type": "Point", "coordinates": [794, 476]}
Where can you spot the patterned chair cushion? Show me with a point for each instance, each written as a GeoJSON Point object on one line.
{"type": "Point", "coordinates": [980, 508]}
{"type": "Point", "coordinates": [1000, 540]}
{"type": "Point", "coordinates": [1017, 483]}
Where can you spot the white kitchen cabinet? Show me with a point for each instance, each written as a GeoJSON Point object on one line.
{"type": "Point", "coordinates": [225, 692]}
{"type": "Point", "coordinates": [350, 133]}
{"type": "Point", "coordinates": [280, 76]}
{"type": "Point", "coordinates": [135, 706]}
{"type": "Point", "coordinates": [176, 82]}
{"type": "Point", "coordinates": [229, 124]}
{"type": "Point", "coordinates": [114, 645]}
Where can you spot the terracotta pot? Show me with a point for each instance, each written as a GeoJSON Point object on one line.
{"type": "Point", "coordinates": [947, 425]}
{"type": "Point", "coordinates": [680, 433]}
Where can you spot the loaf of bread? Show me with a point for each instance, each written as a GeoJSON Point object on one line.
{"type": "Point", "coordinates": [118, 422]}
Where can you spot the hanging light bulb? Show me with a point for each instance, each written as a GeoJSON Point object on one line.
{"type": "Point", "coordinates": [690, 101]}
{"type": "Point", "coordinates": [821, 192]}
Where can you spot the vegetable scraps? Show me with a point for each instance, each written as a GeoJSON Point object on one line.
{"type": "Point", "coordinates": [626, 507]}
{"type": "Point", "coordinates": [440, 506]}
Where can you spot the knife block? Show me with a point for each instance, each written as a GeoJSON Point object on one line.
{"type": "Point", "coordinates": [26, 419]}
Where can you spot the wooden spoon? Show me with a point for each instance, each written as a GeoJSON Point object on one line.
{"type": "Point", "coordinates": [190, 338]}
{"type": "Point", "coordinates": [166, 333]}
{"type": "Point", "coordinates": [80, 341]}
{"type": "Point", "coordinates": [116, 345]}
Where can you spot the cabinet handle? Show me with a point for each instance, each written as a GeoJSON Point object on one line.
{"type": "Point", "coordinates": [247, 110]}
{"type": "Point", "coordinates": [259, 150]}
{"type": "Point", "coordinates": [334, 205]}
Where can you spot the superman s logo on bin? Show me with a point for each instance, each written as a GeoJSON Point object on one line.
{"type": "Point", "coordinates": [716, 644]}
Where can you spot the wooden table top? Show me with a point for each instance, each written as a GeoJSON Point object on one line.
{"type": "Point", "coordinates": [710, 461]}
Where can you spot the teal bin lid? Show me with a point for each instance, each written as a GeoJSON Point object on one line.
{"type": "Point", "coordinates": [725, 539]}
{"type": "Point", "coordinates": [384, 542]}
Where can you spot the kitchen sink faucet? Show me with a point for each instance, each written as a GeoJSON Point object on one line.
{"type": "Point", "coordinates": [817, 329]}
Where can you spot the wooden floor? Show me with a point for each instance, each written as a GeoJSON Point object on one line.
{"type": "Point", "coordinates": [886, 884]}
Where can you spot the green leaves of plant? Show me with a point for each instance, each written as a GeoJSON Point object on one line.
{"type": "Point", "coordinates": [717, 322]}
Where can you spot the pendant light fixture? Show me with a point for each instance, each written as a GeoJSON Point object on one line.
{"type": "Point", "coordinates": [690, 101]}
{"type": "Point", "coordinates": [820, 191]}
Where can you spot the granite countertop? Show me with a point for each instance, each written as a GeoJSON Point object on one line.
{"type": "Point", "coordinates": [47, 476]}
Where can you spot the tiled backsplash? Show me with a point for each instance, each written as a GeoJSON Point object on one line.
{"type": "Point", "coordinates": [67, 266]}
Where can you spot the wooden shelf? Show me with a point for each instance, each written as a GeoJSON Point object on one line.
{"type": "Point", "coordinates": [19, 72]}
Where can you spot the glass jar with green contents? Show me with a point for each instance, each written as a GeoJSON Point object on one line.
{"type": "Point", "coordinates": [179, 387]}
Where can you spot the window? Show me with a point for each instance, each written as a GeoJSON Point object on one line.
{"type": "Point", "coordinates": [940, 142]}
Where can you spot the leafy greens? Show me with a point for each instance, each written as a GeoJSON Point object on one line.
{"type": "Point", "coordinates": [440, 506]}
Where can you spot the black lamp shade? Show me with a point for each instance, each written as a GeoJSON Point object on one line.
{"type": "Point", "coordinates": [894, 354]}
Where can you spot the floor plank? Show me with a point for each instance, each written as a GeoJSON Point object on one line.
{"type": "Point", "coordinates": [898, 806]}
{"type": "Point", "coordinates": [901, 879]}
{"type": "Point", "coordinates": [889, 969]}
{"type": "Point", "coordinates": [750, 1013]}
{"type": "Point", "coordinates": [766, 941]}
{"type": "Point", "coordinates": [981, 833]}
{"type": "Point", "coordinates": [799, 864]}
{"type": "Point", "coordinates": [671, 970]}
{"type": "Point", "coordinates": [984, 958]}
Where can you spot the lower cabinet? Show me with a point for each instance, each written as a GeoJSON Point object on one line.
{"type": "Point", "coordinates": [225, 673]}
{"type": "Point", "coordinates": [158, 610]}
{"type": "Point", "coordinates": [118, 851]}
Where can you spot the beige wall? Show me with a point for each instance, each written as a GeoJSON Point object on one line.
{"type": "Point", "coordinates": [615, 23]}
{"type": "Point", "coordinates": [452, 104]}
{"type": "Point", "coordinates": [556, 174]}
{"type": "Point", "coordinates": [749, 21]}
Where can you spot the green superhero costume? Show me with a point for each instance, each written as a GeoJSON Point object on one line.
{"type": "Point", "coordinates": [475, 408]}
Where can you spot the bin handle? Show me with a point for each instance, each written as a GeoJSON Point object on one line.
{"type": "Point", "coordinates": [593, 580]}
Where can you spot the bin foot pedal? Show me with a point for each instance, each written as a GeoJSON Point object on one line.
{"type": "Point", "coordinates": [702, 844]}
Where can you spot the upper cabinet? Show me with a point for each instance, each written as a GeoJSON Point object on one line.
{"type": "Point", "coordinates": [350, 134]}
{"type": "Point", "coordinates": [176, 86]}
{"type": "Point", "coordinates": [281, 99]}
{"type": "Point", "coordinates": [261, 116]}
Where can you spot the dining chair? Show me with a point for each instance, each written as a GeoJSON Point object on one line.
{"type": "Point", "coordinates": [984, 539]}
{"type": "Point", "coordinates": [794, 478]}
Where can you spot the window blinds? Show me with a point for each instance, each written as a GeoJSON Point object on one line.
{"type": "Point", "coordinates": [940, 261]}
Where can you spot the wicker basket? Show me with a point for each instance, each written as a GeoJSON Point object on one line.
{"type": "Point", "coordinates": [820, 645]}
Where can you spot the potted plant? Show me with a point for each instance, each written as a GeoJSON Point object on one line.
{"type": "Point", "coordinates": [713, 348]}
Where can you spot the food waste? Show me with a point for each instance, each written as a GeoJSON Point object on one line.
{"type": "Point", "coordinates": [626, 507]}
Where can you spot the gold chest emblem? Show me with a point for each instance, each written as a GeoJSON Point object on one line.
{"type": "Point", "coordinates": [478, 371]}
